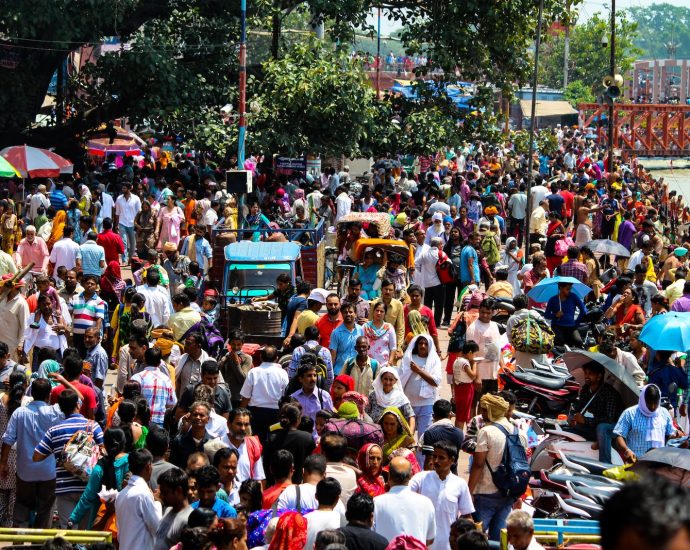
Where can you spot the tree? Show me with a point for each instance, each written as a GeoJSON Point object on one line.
{"type": "Point", "coordinates": [578, 92]}
{"type": "Point", "coordinates": [660, 25]}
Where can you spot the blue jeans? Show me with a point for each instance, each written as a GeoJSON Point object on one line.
{"type": "Point", "coordinates": [492, 511]}
{"type": "Point", "coordinates": [423, 417]}
{"type": "Point", "coordinates": [130, 241]}
{"type": "Point", "coordinates": [604, 439]}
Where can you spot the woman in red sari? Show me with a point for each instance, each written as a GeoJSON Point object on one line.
{"type": "Point", "coordinates": [369, 460]}
{"type": "Point", "coordinates": [554, 232]}
{"type": "Point", "coordinates": [627, 314]}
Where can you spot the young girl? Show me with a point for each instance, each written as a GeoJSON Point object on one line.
{"type": "Point", "coordinates": [464, 378]}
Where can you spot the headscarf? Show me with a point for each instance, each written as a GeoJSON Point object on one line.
{"type": "Point", "coordinates": [496, 407]}
{"type": "Point", "coordinates": [396, 397]}
{"type": "Point", "coordinates": [491, 211]}
{"type": "Point", "coordinates": [416, 324]}
{"type": "Point", "coordinates": [369, 482]}
{"type": "Point", "coordinates": [655, 432]}
{"type": "Point", "coordinates": [362, 401]}
{"type": "Point", "coordinates": [59, 222]}
{"type": "Point", "coordinates": [298, 193]}
{"type": "Point", "coordinates": [432, 365]}
{"type": "Point", "coordinates": [644, 409]}
{"type": "Point", "coordinates": [291, 532]}
{"type": "Point", "coordinates": [45, 368]}
{"type": "Point", "coordinates": [395, 411]}
{"type": "Point", "coordinates": [349, 411]}
{"type": "Point", "coordinates": [407, 454]}
{"type": "Point", "coordinates": [406, 542]}
{"type": "Point", "coordinates": [111, 280]}
{"type": "Point", "coordinates": [84, 192]}
{"type": "Point", "coordinates": [345, 380]}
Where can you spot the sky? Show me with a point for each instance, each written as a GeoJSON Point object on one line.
{"type": "Point", "coordinates": [587, 9]}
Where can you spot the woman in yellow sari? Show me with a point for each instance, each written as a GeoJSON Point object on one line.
{"type": "Point", "coordinates": [56, 234]}
{"type": "Point", "coordinates": [396, 432]}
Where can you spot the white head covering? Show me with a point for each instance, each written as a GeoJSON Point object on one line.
{"type": "Point", "coordinates": [396, 397]}
{"type": "Point", "coordinates": [85, 191]}
{"type": "Point", "coordinates": [655, 435]}
{"type": "Point", "coordinates": [432, 365]}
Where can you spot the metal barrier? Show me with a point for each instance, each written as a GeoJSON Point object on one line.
{"type": "Point", "coordinates": [42, 535]}
{"type": "Point", "coordinates": [561, 531]}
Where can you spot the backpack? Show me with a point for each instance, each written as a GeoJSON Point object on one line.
{"type": "Point", "coordinates": [312, 357]}
{"type": "Point", "coordinates": [512, 475]}
{"type": "Point", "coordinates": [456, 336]}
{"type": "Point", "coordinates": [81, 453]}
{"type": "Point", "coordinates": [212, 340]}
{"type": "Point", "coordinates": [356, 432]}
{"type": "Point", "coordinates": [490, 248]}
{"type": "Point", "coordinates": [532, 336]}
{"type": "Point", "coordinates": [445, 269]}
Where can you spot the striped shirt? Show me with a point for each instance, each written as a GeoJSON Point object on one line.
{"type": "Point", "coordinates": [158, 390]}
{"type": "Point", "coordinates": [87, 312]}
{"type": "Point", "coordinates": [58, 200]}
{"type": "Point", "coordinates": [54, 442]}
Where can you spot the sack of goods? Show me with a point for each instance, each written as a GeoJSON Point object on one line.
{"type": "Point", "coordinates": [531, 335]}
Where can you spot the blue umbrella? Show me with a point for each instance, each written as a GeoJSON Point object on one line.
{"type": "Point", "coordinates": [548, 288]}
{"type": "Point", "coordinates": [668, 332]}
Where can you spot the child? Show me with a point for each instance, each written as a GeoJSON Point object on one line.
{"type": "Point", "coordinates": [394, 273]}
{"type": "Point", "coordinates": [464, 378]}
{"type": "Point", "coordinates": [210, 309]}
{"type": "Point", "coordinates": [207, 482]}
{"type": "Point", "coordinates": [195, 277]}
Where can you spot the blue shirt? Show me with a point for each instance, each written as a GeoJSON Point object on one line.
{"type": "Point", "coordinates": [26, 428]}
{"type": "Point", "coordinates": [311, 404]}
{"type": "Point", "coordinates": [568, 307]}
{"type": "Point", "coordinates": [98, 358]}
{"type": "Point", "coordinates": [465, 274]}
{"type": "Point", "coordinates": [92, 255]}
{"type": "Point", "coordinates": [343, 343]}
{"type": "Point", "coordinates": [641, 432]}
{"type": "Point", "coordinates": [220, 507]}
{"type": "Point", "coordinates": [203, 252]}
{"type": "Point", "coordinates": [58, 200]}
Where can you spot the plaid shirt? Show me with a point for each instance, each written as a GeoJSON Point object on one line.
{"type": "Point", "coordinates": [158, 390]}
{"type": "Point", "coordinates": [640, 432]}
{"type": "Point", "coordinates": [605, 405]}
{"type": "Point", "coordinates": [573, 268]}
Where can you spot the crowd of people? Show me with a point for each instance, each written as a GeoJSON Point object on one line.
{"type": "Point", "coordinates": [118, 413]}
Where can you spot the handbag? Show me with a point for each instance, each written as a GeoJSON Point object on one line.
{"type": "Point", "coordinates": [561, 246]}
{"type": "Point", "coordinates": [81, 453]}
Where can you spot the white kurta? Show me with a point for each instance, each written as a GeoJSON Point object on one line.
{"type": "Point", "coordinates": [15, 316]}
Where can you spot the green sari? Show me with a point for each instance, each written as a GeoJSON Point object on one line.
{"type": "Point", "coordinates": [404, 438]}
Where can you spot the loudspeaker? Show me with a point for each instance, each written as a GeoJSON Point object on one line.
{"type": "Point", "coordinates": [239, 181]}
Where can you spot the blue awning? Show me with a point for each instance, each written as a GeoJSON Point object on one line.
{"type": "Point", "coordinates": [248, 251]}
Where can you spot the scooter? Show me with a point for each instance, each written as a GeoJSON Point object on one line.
{"type": "Point", "coordinates": [541, 391]}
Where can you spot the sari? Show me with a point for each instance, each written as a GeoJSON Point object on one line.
{"type": "Point", "coordinates": [369, 481]}
{"type": "Point", "coordinates": [59, 222]}
{"type": "Point", "coordinates": [112, 285]}
{"type": "Point", "coordinates": [49, 366]}
{"type": "Point", "coordinates": [403, 439]}
{"type": "Point", "coordinates": [291, 532]}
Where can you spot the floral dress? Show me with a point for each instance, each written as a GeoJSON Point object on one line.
{"type": "Point", "coordinates": [382, 341]}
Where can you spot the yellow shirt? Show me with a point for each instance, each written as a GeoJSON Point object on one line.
{"type": "Point", "coordinates": [181, 321]}
{"type": "Point", "coordinates": [306, 319]}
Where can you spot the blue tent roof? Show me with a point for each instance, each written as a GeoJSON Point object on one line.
{"type": "Point", "coordinates": [455, 91]}
{"type": "Point", "coordinates": [261, 252]}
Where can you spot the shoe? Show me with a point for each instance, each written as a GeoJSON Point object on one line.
{"type": "Point", "coordinates": [445, 325]}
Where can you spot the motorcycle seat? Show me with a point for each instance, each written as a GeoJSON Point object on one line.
{"type": "Point", "coordinates": [586, 479]}
{"type": "Point", "coordinates": [594, 466]}
{"type": "Point", "coordinates": [594, 493]}
{"type": "Point", "coordinates": [534, 379]}
{"type": "Point", "coordinates": [593, 509]}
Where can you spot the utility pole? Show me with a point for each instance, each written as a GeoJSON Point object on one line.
{"type": "Point", "coordinates": [566, 44]}
{"type": "Point", "coordinates": [378, 57]}
{"type": "Point", "coordinates": [533, 123]}
{"type": "Point", "coordinates": [242, 103]}
{"type": "Point", "coordinates": [613, 72]}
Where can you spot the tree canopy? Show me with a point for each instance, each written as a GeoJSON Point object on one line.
{"type": "Point", "coordinates": [660, 25]}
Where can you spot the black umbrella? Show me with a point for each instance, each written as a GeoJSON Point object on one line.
{"type": "Point", "coordinates": [607, 246]}
{"type": "Point", "coordinates": [621, 380]}
{"type": "Point", "coordinates": [666, 456]}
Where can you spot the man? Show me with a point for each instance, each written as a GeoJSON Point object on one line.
{"type": "Point", "coordinates": [343, 203]}
{"type": "Point", "coordinates": [328, 322]}
{"type": "Point", "coordinates": [35, 482]}
{"type": "Point", "coordinates": [596, 410]}
{"type": "Point", "coordinates": [250, 464]}
{"type": "Point", "coordinates": [561, 310]}
{"type": "Point", "coordinates": [156, 387]}
{"type": "Point", "coordinates": [312, 398]}
{"type": "Point", "coordinates": [32, 249]}
{"type": "Point", "coordinates": [325, 516]}
{"type": "Point", "coordinates": [307, 317]}
{"type": "Point", "coordinates": [38, 199]}
{"type": "Point", "coordinates": [538, 221]}
{"type": "Point", "coordinates": [72, 369]}
{"type": "Point", "coordinates": [138, 513]}
{"type": "Point", "coordinates": [517, 207]}
{"type": "Point", "coordinates": [334, 448]}
{"type": "Point", "coordinates": [312, 346]}
{"type": "Point", "coordinates": [313, 471]}
{"type": "Point", "coordinates": [485, 333]}
{"type": "Point", "coordinates": [92, 256]}
{"type": "Point", "coordinates": [235, 366]}
{"type": "Point", "coordinates": [343, 338]}
{"type": "Point", "coordinates": [682, 304]}
{"type": "Point", "coordinates": [520, 529]}
{"type": "Point", "coordinates": [184, 317]}
{"type": "Point", "coordinates": [111, 242]}
{"type": "Point", "coordinates": [68, 487]}
{"type": "Point", "coordinates": [14, 312]}
{"type": "Point", "coordinates": [394, 316]}
{"type": "Point", "coordinates": [442, 429]}
{"type": "Point", "coordinates": [131, 358]}
{"type": "Point", "coordinates": [469, 263]}
{"type": "Point", "coordinates": [157, 442]}
{"type": "Point", "coordinates": [441, 485]}
{"type": "Point", "coordinates": [198, 249]}
{"type": "Point", "coordinates": [58, 199]}
{"type": "Point", "coordinates": [675, 289]}
{"type": "Point", "coordinates": [88, 311]}
{"type": "Point", "coordinates": [186, 443]}
{"type": "Point", "coordinates": [7, 265]}
{"type": "Point", "coordinates": [401, 510]}
{"type": "Point", "coordinates": [207, 482]}
{"type": "Point", "coordinates": [127, 206]}
{"type": "Point", "coordinates": [96, 356]}
{"type": "Point", "coordinates": [556, 201]}
{"type": "Point", "coordinates": [492, 507]}
{"type": "Point", "coordinates": [65, 252]}
{"type": "Point", "coordinates": [210, 376]}
{"type": "Point", "coordinates": [608, 347]}
{"type": "Point", "coordinates": [573, 267]}
{"type": "Point", "coordinates": [282, 469]}
{"type": "Point", "coordinates": [261, 391]}
{"type": "Point", "coordinates": [174, 488]}
{"type": "Point", "coordinates": [107, 204]}
{"type": "Point", "coordinates": [71, 289]}
{"type": "Point", "coordinates": [175, 265]}
{"type": "Point", "coordinates": [360, 520]}
{"type": "Point", "coordinates": [434, 293]}
{"type": "Point", "coordinates": [188, 369]}
{"type": "Point", "coordinates": [354, 298]}
{"type": "Point", "coordinates": [436, 230]}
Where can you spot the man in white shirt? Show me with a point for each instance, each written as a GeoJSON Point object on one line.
{"type": "Point", "coordinates": [157, 298]}
{"type": "Point", "coordinates": [343, 204]}
{"type": "Point", "coordinates": [250, 464]}
{"type": "Point", "coordinates": [107, 206]}
{"type": "Point", "coordinates": [401, 510]}
{"type": "Point", "coordinates": [449, 491]}
{"type": "Point", "coordinates": [38, 199]}
{"type": "Point", "coordinates": [262, 389]}
{"type": "Point", "coordinates": [434, 291]}
{"type": "Point", "coordinates": [127, 206]}
{"type": "Point", "coordinates": [65, 252]}
{"type": "Point", "coordinates": [138, 514]}
{"type": "Point", "coordinates": [313, 471]}
{"type": "Point", "coordinates": [325, 516]}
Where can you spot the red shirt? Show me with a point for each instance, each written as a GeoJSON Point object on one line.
{"type": "Point", "coordinates": [326, 328]}
{"type": "Point", "coordinates": [112, 244]}
{"type": "Point", "coordinates": [272, 493]}
{"type": "Point", "coordinates": [89, 403]}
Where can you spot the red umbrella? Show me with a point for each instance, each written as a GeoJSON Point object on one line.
{"type": "Point", "coordinates": [32, 162]}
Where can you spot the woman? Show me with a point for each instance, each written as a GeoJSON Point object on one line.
{"type": "Point", "coordinates": [388, 392]}
{"type": "Point", "coordinates": [397, 433]}
{"type": "Point", "coordinates": [659, 305]}
{"type": "Point", "coordinates": [136, 311]}
{"type": "Point", "coordinates": [627, 313]}
{"type": "Point", "coordinates": [145, 227]}
{"type": "Point", "coordinates": [116, 318]}
{"type": "Point", "coordinates": [420, 377]}
{"type": "Point", "coordinates": [110, 471]}
{"type": "Point", "coordinates": [168, 225]}
{"type": "Point", "coordinates": [453, 250]}
{"type": "Point", "coordinates": [254, 221]}
{"type": "Point", "coordinates": [416, 294]}
{"type": "Point", "coordinates": [85, 200]}
{"type": "Point", "coordinates": [554, 233]}
{"type": "Point", "coordinates": [341, 385]}
{"type": "Point", "coordinates": [135, 433]}
{"type": "Point", "coordinates": [594, 271]}
{"type": "Point", "coordinates": [464, 224]}
{"type": "Point", "coordinates": [112, 285]}
{"type": "Point", "coordinates": [510, 257]}
{"type": "Point", "coordinates": [638, 349]}
{"type": "Point", "coordinates": [366, 273]}
{"type": "Point", "coordinates": [370, 461]}
{"type": "Point", "coordinates": [8, 223]}
{"type": "Point", "coordinates": [643, 427]}
{"type": "Point", "coordinates": [251, 495]}
{"type": "Point", "coordinates": [130, 391]}
{"type": "Point", "coordinates": [73, 217]}
{"type": "Point", "coordinates": [47, 331]}
{"type": "Point", "coordinates": [10, 401]}
{"type": "Point", "coordinates": [59, 222]}
{"type": "Point", "coordinates": [291, 532]}
{"type": "Point", "coordinates": [291, 438]}
{"type": "Point", "coordinates": [229, 534]}
{"type": "Point", "coordinates": [381, 335]}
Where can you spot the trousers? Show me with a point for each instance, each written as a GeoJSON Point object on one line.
{"type": "Point", "coordinates": [38, 497]}
{"type": "Point", "coordinates": [130, 240]}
